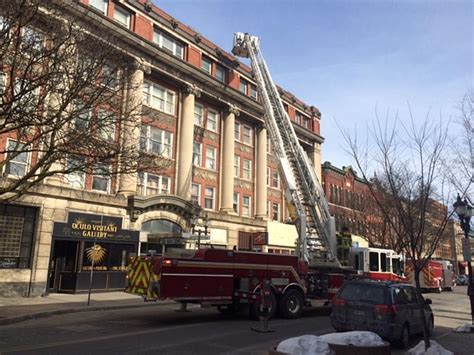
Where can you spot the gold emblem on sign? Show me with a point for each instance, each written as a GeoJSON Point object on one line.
{"type": "Point", "coordinates": [95, 253]}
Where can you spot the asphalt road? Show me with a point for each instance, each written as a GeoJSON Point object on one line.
{"type": "Point", "coordinates": [162, 330]}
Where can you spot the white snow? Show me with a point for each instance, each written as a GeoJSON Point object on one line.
{"type": "Point", "coordinates": [358, 338]}
{"type": "Point", "coordinates": [304, 345]}
{"type": "Point", "coordinates": [466, 328]}
{"type": "Point", "coordinates": [312, 344]}
{"type": "Point", "coordinates": [434, 349]}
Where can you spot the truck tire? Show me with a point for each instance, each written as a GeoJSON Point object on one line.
{"type": "Point", "coordinates": [404, 339]}
{"type": "Point", "coordinates": [291, 304]}
{"type": "Point", "coordinates": [255, 311]}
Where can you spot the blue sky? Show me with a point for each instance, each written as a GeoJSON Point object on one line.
{"type": "Point", "coordinates": [349, 57]}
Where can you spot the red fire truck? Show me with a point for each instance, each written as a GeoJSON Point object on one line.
{"type": "Point", "coordinates": [229, 278]}
{"type": "Point", "coordinates": [436, 276]}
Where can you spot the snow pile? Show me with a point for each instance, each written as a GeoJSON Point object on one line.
{"type": "Point", "coordinates": [466, 328]}
{"type": "Point", "coordinates": [434, 349]}
{"type": "Point", "coordinates": [354, 338]}
{"type": "Point", "coordinates": [304, 345]}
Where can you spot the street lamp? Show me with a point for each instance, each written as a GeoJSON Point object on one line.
{"type": "Point", "coordinates": [464, 212]}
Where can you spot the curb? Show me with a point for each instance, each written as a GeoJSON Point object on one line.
{"type": "Point", "coordinates": [45, 314]}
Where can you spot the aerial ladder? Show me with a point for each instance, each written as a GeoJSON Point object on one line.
{"type": "Point", "coordinates": [316, 242]}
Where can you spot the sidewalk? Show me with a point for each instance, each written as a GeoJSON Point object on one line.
{"type": "Point", "coordinates": [18, 309]}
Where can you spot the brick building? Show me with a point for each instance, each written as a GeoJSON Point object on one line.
{"type": "Point", "coordinates": [204, 116]}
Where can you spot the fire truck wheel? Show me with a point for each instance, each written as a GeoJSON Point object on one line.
{"type": "Point", "coordinates": [255, 309]}
{"type": "Point", "coordinates": [291, 304]}
{"type": "Point", "coordinates": [439, 289]}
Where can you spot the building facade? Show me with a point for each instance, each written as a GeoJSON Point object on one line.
{"type": "Point", "coordinates": [201, 112]}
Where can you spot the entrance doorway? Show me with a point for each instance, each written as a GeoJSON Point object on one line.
{"type": "Point", "coordinates": [63, 263]}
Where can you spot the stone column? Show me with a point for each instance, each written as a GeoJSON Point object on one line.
{"type": "Point", "coordinates": [186, 138]}
{"type": "Point", "coordinates": [130, 136]}
{"type": "Point", "coordinates": [261, 165]}
{"type": "Point", "coordinates": [316, 158]}
{"type": "Point", "coordinates": [228, 148]}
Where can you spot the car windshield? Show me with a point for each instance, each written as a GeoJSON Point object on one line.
{"type": "Point", "coordinates": [363, 293]}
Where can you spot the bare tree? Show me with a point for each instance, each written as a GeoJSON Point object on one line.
{"type": "Point", "coordinates": [407, 160]}
{"type": "Point", "coordinates": [65, 98]}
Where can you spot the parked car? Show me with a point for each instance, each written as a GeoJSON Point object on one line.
{"type": "Point", "coordinates": [386, 308]}
{"type": "Point", "coordinates": [462, 280]}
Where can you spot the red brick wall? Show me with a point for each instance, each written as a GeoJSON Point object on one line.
{"type": "Point", "coordinates": [234, 79]}
{"type": "Point", "coordinates": [194, 56]}
{"type": "Point", "coordinates": [143, 27]}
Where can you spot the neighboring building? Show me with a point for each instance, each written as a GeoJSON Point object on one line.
{"type": "Point", "coordinates": [455, 233]}
{"type": "Point", "coordinates": [205, 117]}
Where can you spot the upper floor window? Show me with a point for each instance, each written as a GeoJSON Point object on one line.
{"type": "Point", "coordinates": [221, 73]}
{"type": "Point", "coordinates": [32, 39]}
{"type": "Point", "coordinates": [82, 119]}
{"type": "Point", "coordinates": [149, 184]}
{"type": "Point", "coordinates": [76, 177]}
{"type": "Point", "coordinates": [306, 122]}
{"type": "Point", "coordinates": [101, 178]}
{"type": "Point", "coordinates": [158, 97]}
{"type": "Point", "coordinates": [246, 207]}
{"type": "Point", "coordinates": [275, 179]}
{"type": "Point", "coordinates": [122, 16]}
{"type": "Point", "coordinates": [206, 65]}
{"type": "Point", "coordinates": [236, 202]}
{"type": "Point", "coordinates": [106, 123]}
{"type": "Point", "coordinates": [237, 130]}
{"type": "Point", "coordinates": [199, 115]}
{"type": "Point", "coordinates": [168, 43]}
{"type": "Point", "coordinates": [100, 5]}
{"type": "Point", "coordinates": [209, 198]}
{"type": "Point", "coordinates": [211, 158]}
{"type": "Point", "coordinates": [243, 86]}
{"type": "Point", "coordinates": [212, 119]}
{"type": "Point", "coordinates": [247, 169]}
{"type": "Point", "coordinates": [19, 158]}
{"type": "Point", "coordinates": [197, 153]}
{"type": "Point", "coordinates": [248, 135]}
{"type": "Point", "coordinates": [196, 193]}
{"type": "Point", "coordinates": [110, 76]}
{"type": "Point", "coordinates": [275, 211]}
{"type": "Point", "coordinates": [298, 118]}
{"type": "Point", "coordinates": [156, 141]}
{"type": "Point", "coordinates": [253, 92]}
{"type": "Point", "coordinates": [236, 166]}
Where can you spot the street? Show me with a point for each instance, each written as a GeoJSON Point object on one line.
{"type": "Point", "coordinates": [162, 330]}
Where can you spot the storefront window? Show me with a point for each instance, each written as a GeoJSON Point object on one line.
{"type": "Point", "coordinates": [17, 229]}
{"type": "Point", "coordinates": [115, 258]}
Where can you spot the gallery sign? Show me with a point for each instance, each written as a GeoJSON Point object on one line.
{"type": "Point", "coordinates": [94, 227]}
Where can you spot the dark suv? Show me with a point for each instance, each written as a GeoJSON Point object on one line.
{"type": "Point", "coordinates": [386, 308]}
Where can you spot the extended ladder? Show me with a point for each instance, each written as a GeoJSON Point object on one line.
{"type": "Point", "coordinates": [315, 225]}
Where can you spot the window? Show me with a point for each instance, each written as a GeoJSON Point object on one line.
{"type": "Point", "coordinates": [199, 115]}
{"type": "Point", "coordinates": [149, 184]}
{"type": "Point", "coordinates": [220, 73]}
{"type": "Point", "coordinates": [110, 76]}
{"type": "Point", "coordinates": [248, 135]}
{"type": "Point", "coordinates": [196, 193]}
{"type": "Point", "coordinates": [236, 166]}
{"type": "Point", "coordinates": [247, 169]}
{"type": "Point", "coordinates": [374, 261]}
{"type": "Point", "coordinates": [77, 177]}
{"type": "Point", "coordinates": [298, 117]}
{"type": "Point", "coordinates": [156, 141]}
{"type": "Point", "coordinates": [19, 155]}
{"type": "Point", "coordinates": [269, 171]}
{"type": "Point", "coordinates": [269, 146]}
{"type": "Point", "coordinates": [26, 96]}
{"type": "Point", "coordinates": [106, 124]}
{"type": "Point", "coordinates": [211, 158]}
{"type": "Point", "coordinates": [246, 206]}
{"type": "Point", "coordinates": [206, 65]}
{"type": "Point", "coordinates": [32, 40]}
{"type": "Point", "coordinates": [306, 122]}
{"type": "Point", "coordinates": [243, 86]}
{"type": "Point", "coordinates": [209, 198]}
{"type": "Point", "coordinates": [158, 97]}
{"type": "Point", "coordinates": [383, 262]}
{"type": "Point", "coordinates": [101, 178]}
{"type": "Point", "coordinates": [3, 82]}
{"type": "Point", "coordinates": [253, 92]}
{"type": "Point", "coordinates": [237, 129]}
{"type": "Point", "coordinates": [169, 44]}
{"type": "Point", "coordinates": [275, 179]}
{"type": "Point", "coordinates": [100, 5]}
{"type": "Point", "coordinates": [236, 202]}
{"type": "Point", "coordinates": [122, 16]}
{"type": "Point", "coordinates": [275, 211]}
{"type": "Point", "coordinates": [212, 119]}
{"type": "Point", "coordinates": [197, 153]}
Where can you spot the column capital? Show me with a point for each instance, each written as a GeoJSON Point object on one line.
{"type": "Point", "coordinates": [141, 64]}
{"type": "Point", "coordinates": [191, 90]}
{"type": "Point", "coordinates": [233, 109]}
